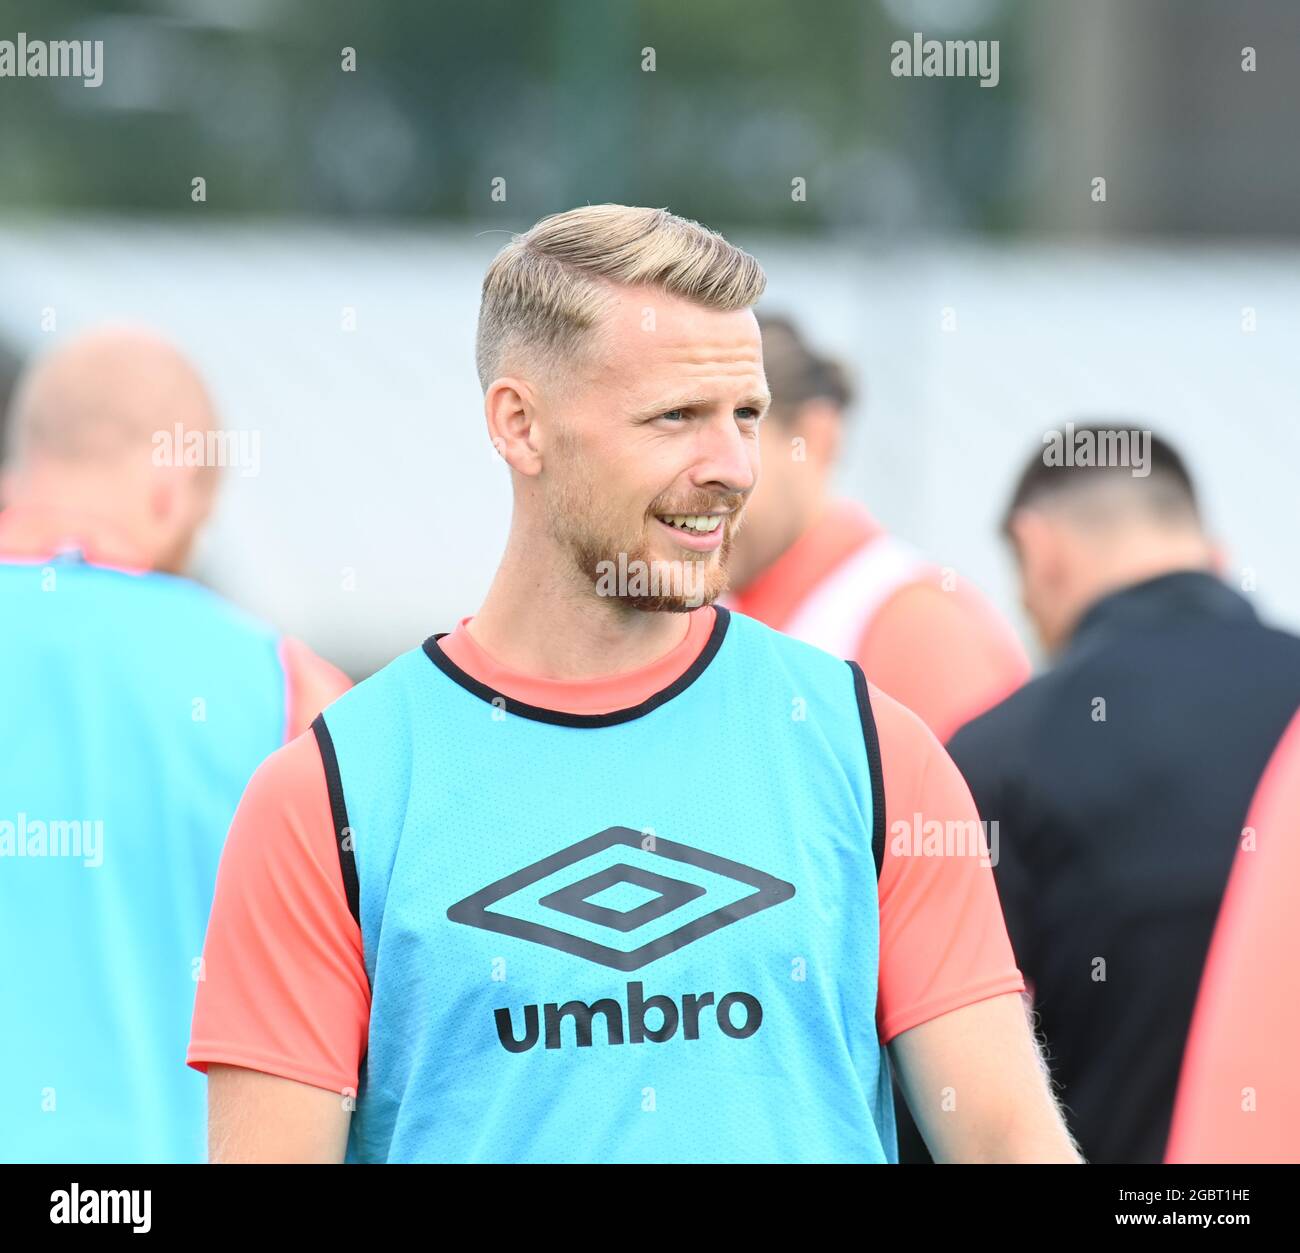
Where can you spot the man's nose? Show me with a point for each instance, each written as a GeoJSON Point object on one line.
{"type": "Point", "coordinates": [726, 457]}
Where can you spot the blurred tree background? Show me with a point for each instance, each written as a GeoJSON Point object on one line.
{"type": "Point", "coordinates": [370, 194]}
{"type": "Point", "coordinates": [745, 96]}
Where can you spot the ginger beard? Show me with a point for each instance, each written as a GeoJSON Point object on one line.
{"type": "Point", "coordinates": [601, 541]}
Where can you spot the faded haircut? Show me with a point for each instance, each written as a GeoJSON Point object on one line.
{"type": "Point", "coordinates": [1093, 493]}
{"type": "Point", "coordinates": [546, 290]}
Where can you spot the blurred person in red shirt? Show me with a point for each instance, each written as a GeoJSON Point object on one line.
{"type": "Point", "coordinates": [1239, 1093]}
{"type": "Point", "coordinates": [825, 571]}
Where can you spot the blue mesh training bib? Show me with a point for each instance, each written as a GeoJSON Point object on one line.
{"type": "Point", "coordinates": [133, 710]}
{"type": "Point", "coordinates": [644, 936]}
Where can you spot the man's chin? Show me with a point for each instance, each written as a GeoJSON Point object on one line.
{"type": "Point", "coordinates": [663, 604]}
{"type": "Point", "coordinates": [686, 603]}
{"type": "Point", "coordinates": [661, 584]}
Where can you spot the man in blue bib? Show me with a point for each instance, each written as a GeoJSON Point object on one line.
{"type": "Point", "coordinates": [597, 876]}
{"type": "Point", "coordinates": [134, 706]}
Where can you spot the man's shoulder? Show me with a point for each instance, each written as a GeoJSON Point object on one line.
{"type": "Point", "coordinates": [897, 722]}
{"type": "Point", "coordinates": [390, 682]}
{"type": "Point", "coordinates": [769, 656]}
{"type": "Point", "coordinates": [288, 780]}
{"type": "Point", "coordinates": [1268, 644]}
{"type": "Point", "coordinates": [168, 602]}
{"type": "Point", "coordinates": [794, 652]}
{"type": "Point", "coordinates": [1012, 719]}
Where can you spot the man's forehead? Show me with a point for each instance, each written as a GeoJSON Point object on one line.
{"type": "Point", "coordinates": [653, 338]}
{"type": "Point", "coordinates": [651, 311]}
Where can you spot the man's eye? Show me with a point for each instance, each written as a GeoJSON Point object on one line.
{"type": "Point", "coordinates": [749, 415]}
{"type": "Point", "coordinates": [670, 413]}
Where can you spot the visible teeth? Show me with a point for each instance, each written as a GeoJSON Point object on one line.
{"type": "Point", "coordinates": [693, 522]}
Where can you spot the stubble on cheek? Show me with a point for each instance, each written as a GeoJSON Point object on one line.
{"type": "Point", "coordinates": [601, 539]}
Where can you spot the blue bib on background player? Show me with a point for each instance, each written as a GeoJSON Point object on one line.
{"type": "Point", "coordinates": [644, 936]}
{"type": "Point", "coordinates": [133, 710]}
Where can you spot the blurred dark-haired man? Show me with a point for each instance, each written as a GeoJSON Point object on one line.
{"type": "Point", "coordinates": [1120, 779]}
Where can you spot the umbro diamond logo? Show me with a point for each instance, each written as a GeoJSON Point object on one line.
{"type": "Point", "coordinates": [651, 865]}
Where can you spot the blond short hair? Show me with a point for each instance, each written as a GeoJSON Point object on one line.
{"type": "Point", "coordinates": [546, 289]}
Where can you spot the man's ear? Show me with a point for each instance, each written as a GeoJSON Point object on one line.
{"type": "Point", "coordinates": [162, 497]}
{"type": "Point", "coordinates": [174, 490]}
{"type": "Point", "coordinates": [510, 411]}
{"type": "Point", "coordinates": [1037, 545]}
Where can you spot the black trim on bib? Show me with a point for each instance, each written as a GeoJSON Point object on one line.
{"type": "Point", "coordinates": [558, 717]}
{"type": "Point", "coordinates": [339, 812]}
{"type": "Point", "coordinates": [873, 761]}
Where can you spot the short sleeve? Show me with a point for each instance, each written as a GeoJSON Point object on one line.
{"type": "Point", "coordinates": [943, 943]}
{"type": "Point", "coordinates": [946, 655]}
{"type": "Point", "coordinates": [284, 987]}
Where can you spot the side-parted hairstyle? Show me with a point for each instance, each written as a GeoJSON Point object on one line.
{"type": "Point", "coordinates": [546, 289]}
{"type": "Point", "coordinates": [1165, 493]}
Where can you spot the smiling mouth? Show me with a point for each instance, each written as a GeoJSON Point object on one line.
{"type": "Point", "coordinates": [693, 523]}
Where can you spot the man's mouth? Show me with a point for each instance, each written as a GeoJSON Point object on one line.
{"type": "Point", "coordinates": [702, 532]}
{"type": "Point", "coordinates": [701, 523]}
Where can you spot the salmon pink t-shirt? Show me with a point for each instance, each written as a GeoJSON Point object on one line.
{"type": "Point", "coordinates": [285, 989]}
{"type": "Point", "coordinates": [935, 644]}
{"type": "Point", "coordinates": [1247, 1019]}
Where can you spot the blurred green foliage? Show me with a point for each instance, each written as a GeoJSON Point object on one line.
{"type": "Point", "coordinates": [550, 95]}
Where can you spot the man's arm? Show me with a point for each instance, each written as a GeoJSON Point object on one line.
{"type": "Point", "coordinates": [978, 1088]}
{"type": "Point", "coordinates": [282, 1008]}
{"type": "Point", "coordinates": [949, 1004]}
{"type": "Point", "coordinates": [990, 754]}
{"type": "Point", "coordinates": [947, 655]}
{"type": "Point", "coordinates": [255, 1117]}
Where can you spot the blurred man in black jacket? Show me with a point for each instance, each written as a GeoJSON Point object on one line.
{"type": "Point", "coordinates": [1120, 779]}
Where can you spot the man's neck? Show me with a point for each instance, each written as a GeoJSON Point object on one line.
{"type": "Point", "coordinates": [539, 619]}
{"type": "Point", "coordinates": [1129, 572]}
{"type": "Point", "coordinates": [807, 517]}
{"type": "Point", "coordinates": [38, 529]}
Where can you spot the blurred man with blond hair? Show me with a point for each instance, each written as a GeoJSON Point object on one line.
{"type": "Point", "coordinates": [594, 876]}
{"type": "Point", "coordinates": [136, 706]}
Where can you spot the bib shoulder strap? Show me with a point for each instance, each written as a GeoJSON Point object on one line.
{"type": "Point", "coordinates": [339, 811]}
{"type": "Point", "coordinates": [872, 739]}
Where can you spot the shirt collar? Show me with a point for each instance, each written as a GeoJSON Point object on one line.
{"type": "Point", "coordinates": [590, 697]}
{"type": "Point", "coordinates": [1165, 598]}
